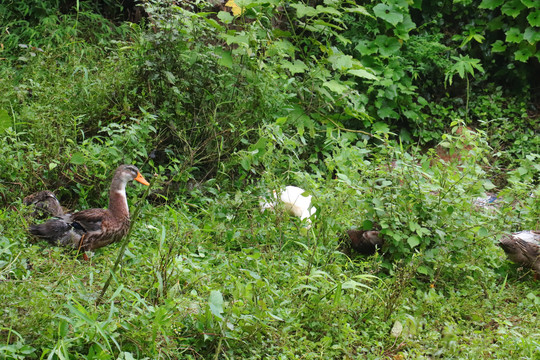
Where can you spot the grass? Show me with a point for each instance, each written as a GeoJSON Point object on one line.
{"type": "Point", "coordinates": [206, 275]}
{"type": "Point", "coordinates": [206, 283]}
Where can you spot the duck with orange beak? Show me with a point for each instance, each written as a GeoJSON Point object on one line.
{"type": "Point", "coordinates": [94, 228]}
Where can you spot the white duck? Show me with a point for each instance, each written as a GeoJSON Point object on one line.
{"type": "Point", "coordinates": [294, 203]}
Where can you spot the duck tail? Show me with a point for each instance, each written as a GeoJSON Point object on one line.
{"type": "Point", "coordinates": [50, 230]}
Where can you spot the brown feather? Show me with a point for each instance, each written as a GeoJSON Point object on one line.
{"type": "Point", "coordinates": [93, 228]}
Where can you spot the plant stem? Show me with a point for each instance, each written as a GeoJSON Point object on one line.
{"type": "Point", "coordinates": [124, 244]}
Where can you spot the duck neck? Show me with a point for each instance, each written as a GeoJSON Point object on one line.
{"type": "Point", "coordinates": [118, 205]}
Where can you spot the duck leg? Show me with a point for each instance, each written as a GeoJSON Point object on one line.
{"type": "Point", "coordinates": [85, 257]}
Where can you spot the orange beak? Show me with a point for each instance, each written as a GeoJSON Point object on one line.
{"type": "Point", "coordinates": [141, 179]}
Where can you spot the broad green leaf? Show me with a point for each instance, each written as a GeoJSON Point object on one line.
{"type": "Point", "coordinates": [215, 301]}
{"type": "Point", "coordinates": [239, 38]}
{"type": "Point", "coordinates": [340, 61]}
{"type": "Point", "coordinates": [531, 3]}
{"type": "Point", "coordinates": [534, 19]}
{"type": "Point", "coordinates": [525, 52]}
{"type": "Point", "coordinates": [214, 23]}
{"type": "Point", "coordinates": [366, 47]}
{"type": "Point", "coordinates": [387, 45]}
{"type": "Point", "coordinates": [336, 86]}
{"type": "Point", "coordinates": [363, 74]}
{"type": "Point", "coordinates": [77, 159]}
{"type": "Point", "coordinates": [488, 185]}
{"type": "Point", "coordinates": [389, 13]}
{"type": "Point", "coordinates": [367, 225]}
{"type": "Point", "coordinates": [423, 270]}
{"type": "Point", "coordinates": [328, 10]}
{"type": "Point", "coordinates": [359, 10]}
{"type": "Point", "coordinates": [387, 112]}
{"type": "Point", "coordinates": [482, 232]}
{"type": "Point", "coordinates": [170, 77]}
{"type": "Point", "coordinates": [225, 58]}
{"type": "Point", "coordinates": [490, 4]}
{"type": "Point", "coordinates": [303, 10]}
{"type": "Point", "coordinates": [514, 35]}
{"type": "Point", "coordinates": [413, 241]}
{"type": "Point", "coordinates": [295, 68]}
{"type": "Point", "coordinates": [380, 127]}
{"type": "Point", "coordinates": [512, 8]}
{"type": "Point", "coordinates": [498, 46]}
{"type": "Point", "coordinates": [225, 17]}
{"type": "Point", "coordinates": [403, 28]}
{"type": "Point", "coordinates": [323, 25]}
{"type": "Point", "coordinates": [5, 120]}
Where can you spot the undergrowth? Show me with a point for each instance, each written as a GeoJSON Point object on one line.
{"type": "Point", "coordinates": [385, 125]}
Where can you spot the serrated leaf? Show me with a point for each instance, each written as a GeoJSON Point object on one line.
{"type": "Point", "coordinates": [362, 74]}
{"type": "Point", "coordinates": [359, 10]}
{"type": "Point", "coordinates": [336, 86]}
{"type": "Point", "coordinates": [215, 301]}
{"type": "Point", "coordinates": [498, 46]}
{"type": "Point", "coordinates": [297, 67]}
{"type": "Point", "coordinates": [512, 8]}
{"type": "Point", "coordinates": [341, 61]}
{"type": "Point", "coordinates": [490, 4]}
{"type": "Point", "coordinates": [531, 35]}
{"type": "Point", "coordinates": [389, 13]}
{"type": "Point", "coordinates": [380, 127]}
{"type": "Point", "coordinates": [524, 53]}
{"type": "Point", "coordinates": [303, 10]}
{"type": "Point", "coordinates": [482, 232]}
{"type": "Point", "coordinates": [534, 18]}
{"type": "Point", "coordinates": [387, 112]}
{"type": "Point", "coordinates": [413, 241]}
{"type": "Point", "coordinates": [387, 45]}
{"type": "Point", "coordinates": [514, 35]}
{"type": "Point", "coordinates": [77, 159]}
{"type": "Point", "coordinates": [403, 28]}
{"type": "Point", "coordinates": [366, 47]}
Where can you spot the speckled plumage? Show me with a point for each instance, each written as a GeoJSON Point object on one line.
{"type": "Point", "coordinates": [523, 248]}
{"type": "Point", "coordinates": [93, 228]}
{"type": "Point", "coordinates": [45, 204]}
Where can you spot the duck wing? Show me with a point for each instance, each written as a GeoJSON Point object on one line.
{"type": "Point", "coordinates": [89, 220]}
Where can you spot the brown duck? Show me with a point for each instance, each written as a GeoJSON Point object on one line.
{"type": "Point", "coordinates": [523, 248]}
{"type": "Point", "coordinates": [365, 242]}
{"type": "Point", "coordinates": [45, 204]}
{"type": "Point", "coordinates": [93, 228]}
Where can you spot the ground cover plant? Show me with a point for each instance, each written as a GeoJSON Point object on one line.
{"type": "Point", "coordinates": [393, 115]}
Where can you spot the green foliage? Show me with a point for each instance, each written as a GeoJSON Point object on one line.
{"type": "Point", "coordinates": [520, 22]}
{"type": "Point", "coordinates": [341, 98]}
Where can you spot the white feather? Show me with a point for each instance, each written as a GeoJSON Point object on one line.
{"type": "Point", "coordinates": [294, 203]}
